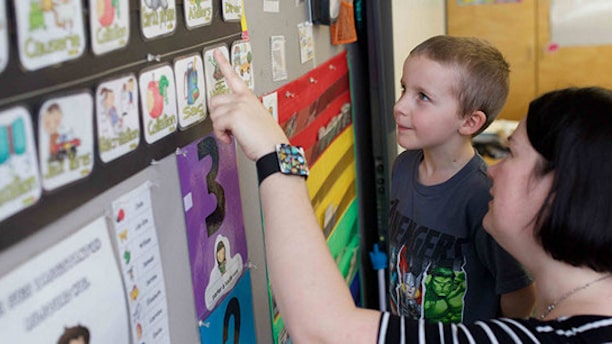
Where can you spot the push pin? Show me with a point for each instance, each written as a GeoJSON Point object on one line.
{"type": "Point", "coordinates": [289, 94]}
{"type": "Point", "coordinates": [151, 57]}
{"type": "Point", "coordinates": [313, 80]}
{"type": "Point", "coordinates": [180, 152]}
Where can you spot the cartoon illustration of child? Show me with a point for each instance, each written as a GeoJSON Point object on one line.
{"type": "Point", "coordinates": [127, 96]}
{"type": "Point", "coordinates": [221, 258]}
{"type": "Point", "coordinates": [62, 142]}
{"type": "Point", "coordinates": [108, 103]}
{"type": "Point", "coordinates": [74, 335]}
{"type": "Point", "coordinates": [51, 123]}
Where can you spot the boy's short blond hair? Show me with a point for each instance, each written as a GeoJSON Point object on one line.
{"type": "Point", "coordinates": [483, 82]}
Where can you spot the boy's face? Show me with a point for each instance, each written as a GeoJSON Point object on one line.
{"type": "Point", "coordinates": [427, 111]}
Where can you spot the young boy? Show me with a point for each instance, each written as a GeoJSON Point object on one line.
{"type": "Point", "coordinates": [443, 265]}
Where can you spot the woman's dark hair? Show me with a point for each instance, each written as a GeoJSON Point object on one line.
{"type": "Point", "coordinates": [572, 129]}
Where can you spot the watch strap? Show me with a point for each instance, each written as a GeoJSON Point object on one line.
{"type": "Point", "coordinates": [267, 165]}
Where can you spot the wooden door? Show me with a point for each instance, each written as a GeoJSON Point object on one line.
{"type": "Point", "coordinates": [511, 28]}
{"type": "Point", "coordinates": [569, 66]}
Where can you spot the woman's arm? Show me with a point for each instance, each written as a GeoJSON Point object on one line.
{"type": "Point", "coordinates": [311, 294]}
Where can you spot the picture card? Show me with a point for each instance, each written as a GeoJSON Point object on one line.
{"type": "Point", "coordinates": [117, 117]}
{"type": "Point", "coordinates": [158, 99]}
{"type": "Point", "coordinates": [157, 17]}
{"type": "Point", "coordinates": [242, 61]}
{"type": "Point", "coordinates": [231, 10]}
{"type": "Point", "coordinates": [190, 89]}
{"type": "Point", "coordinates": [215, 82]}
{"type": "Point", "coordinates": [198, 13]}
{"type": "Point", "coordinates": [49, 32]}
{"type": "Point", "coordinates": [20, 184]}
{"type": "Point", "coordinates": [65, 139]}
{"type": "Point", "coordinates": [109, 22]}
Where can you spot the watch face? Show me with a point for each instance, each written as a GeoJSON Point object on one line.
{"type": "Point", "coordinates": [291, 160]}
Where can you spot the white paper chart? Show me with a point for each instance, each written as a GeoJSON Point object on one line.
{"type": "Point", "coordinates": [138, 250]}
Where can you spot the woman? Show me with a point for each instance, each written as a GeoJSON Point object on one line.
{"type": "Point", "coordinates": [550, 209]}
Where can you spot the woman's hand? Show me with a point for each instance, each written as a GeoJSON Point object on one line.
{"type": "Point", "coordinates": [241, 115]}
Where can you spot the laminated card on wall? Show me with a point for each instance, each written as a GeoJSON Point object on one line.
{"type": "Point", "coordinates": [49, 32]}
{"type": "Point", "coordinates": [20, 184]}
{"type": "Point", "coordinates": [213, 214]}
{"type": "Point", "coordinates": [140, 260]}
{"type": "Point", "coordinates": [117, 117]}
{"type": "Point", "coordinates": [65, 139]}
{"type": "Point", "coordinates": [72, 289]}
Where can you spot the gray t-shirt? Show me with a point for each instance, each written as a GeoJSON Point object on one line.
{"type": "Point", "coordinates": [443, 266]}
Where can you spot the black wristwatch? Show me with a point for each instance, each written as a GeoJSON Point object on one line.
{"type": "Point", "coordinates": [286, 159]}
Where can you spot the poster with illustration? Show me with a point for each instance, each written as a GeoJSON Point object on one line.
{"type": "Point", "coordinates": [158, 98]}
{"type": "Point", "coordinates": [215, 82]}
{"type": "Point", "coordinates": [65, 139]}
{"type": "Point", "coordinates": [4, 42]}
{"type": "Point", "coordinates": [270, 102]}
{"type": "Point", "coordinates": [198, 13]}
{"type": "Point", "coordinates": [232, 321]}
{"type": "Point", "coordinates": [190, 89]}
{"type": "Point", "coordinates": [231, 10]}
{"type": "Point", "coordinates": [306, 41]}
{"type": "Point", "coordinates": [109, 21]}
{"type": "Point", "coordinates": [49, 31]}
{"type": "Point", "coordinates": [140, 260]}
{"type": "Point", "coordinates": [71, 290]}
{"type": "Point", "coordinates": [208, 176]}
{"type": "Point", "coordinates": [277, 52]}
{"type": "Point", "coordinates": [157, 17]}
{"type": "Point", "coordinates": [20, 185]}
{"type": "Point", "coordinates": [242, 61]}
{"type": "Point", "coordinates": [117, 117]}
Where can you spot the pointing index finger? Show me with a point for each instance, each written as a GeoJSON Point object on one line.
{"type": "Point", "coordinates": [235, 83]}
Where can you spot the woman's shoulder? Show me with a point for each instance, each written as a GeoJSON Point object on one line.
{"type": "Point", "coordinates": [583, 329]}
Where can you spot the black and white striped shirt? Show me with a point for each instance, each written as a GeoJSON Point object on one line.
{"type": "Point", "coordinates": [577, 329]}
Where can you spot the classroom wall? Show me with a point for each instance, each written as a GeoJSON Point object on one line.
{"type": "Point", "coordinates": [261, 26]}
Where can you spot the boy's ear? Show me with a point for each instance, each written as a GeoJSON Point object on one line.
{"type": "Point", "coordinates": [473, 123]}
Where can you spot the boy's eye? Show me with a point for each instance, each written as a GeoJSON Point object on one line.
{"type": "Point", "coordinates": [403, 89]}
{"type": "Point", "coordinates": [423, 96]}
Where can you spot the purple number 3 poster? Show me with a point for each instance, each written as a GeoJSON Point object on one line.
{"type": "Point", "coordinates": [213, 216]}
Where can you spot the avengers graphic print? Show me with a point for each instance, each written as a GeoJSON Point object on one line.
{"type": "Point", "coordinates": [427, 275]}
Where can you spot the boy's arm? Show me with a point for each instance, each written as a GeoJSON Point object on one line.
{"type": "Point", "coordinates": [519, 303]}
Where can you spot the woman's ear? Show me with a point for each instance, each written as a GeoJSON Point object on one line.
{"type": "Point", "coordinates": [472, 123]}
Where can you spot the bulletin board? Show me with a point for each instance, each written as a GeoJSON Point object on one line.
{"type": "Point", "coordinates": [33, 86]}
